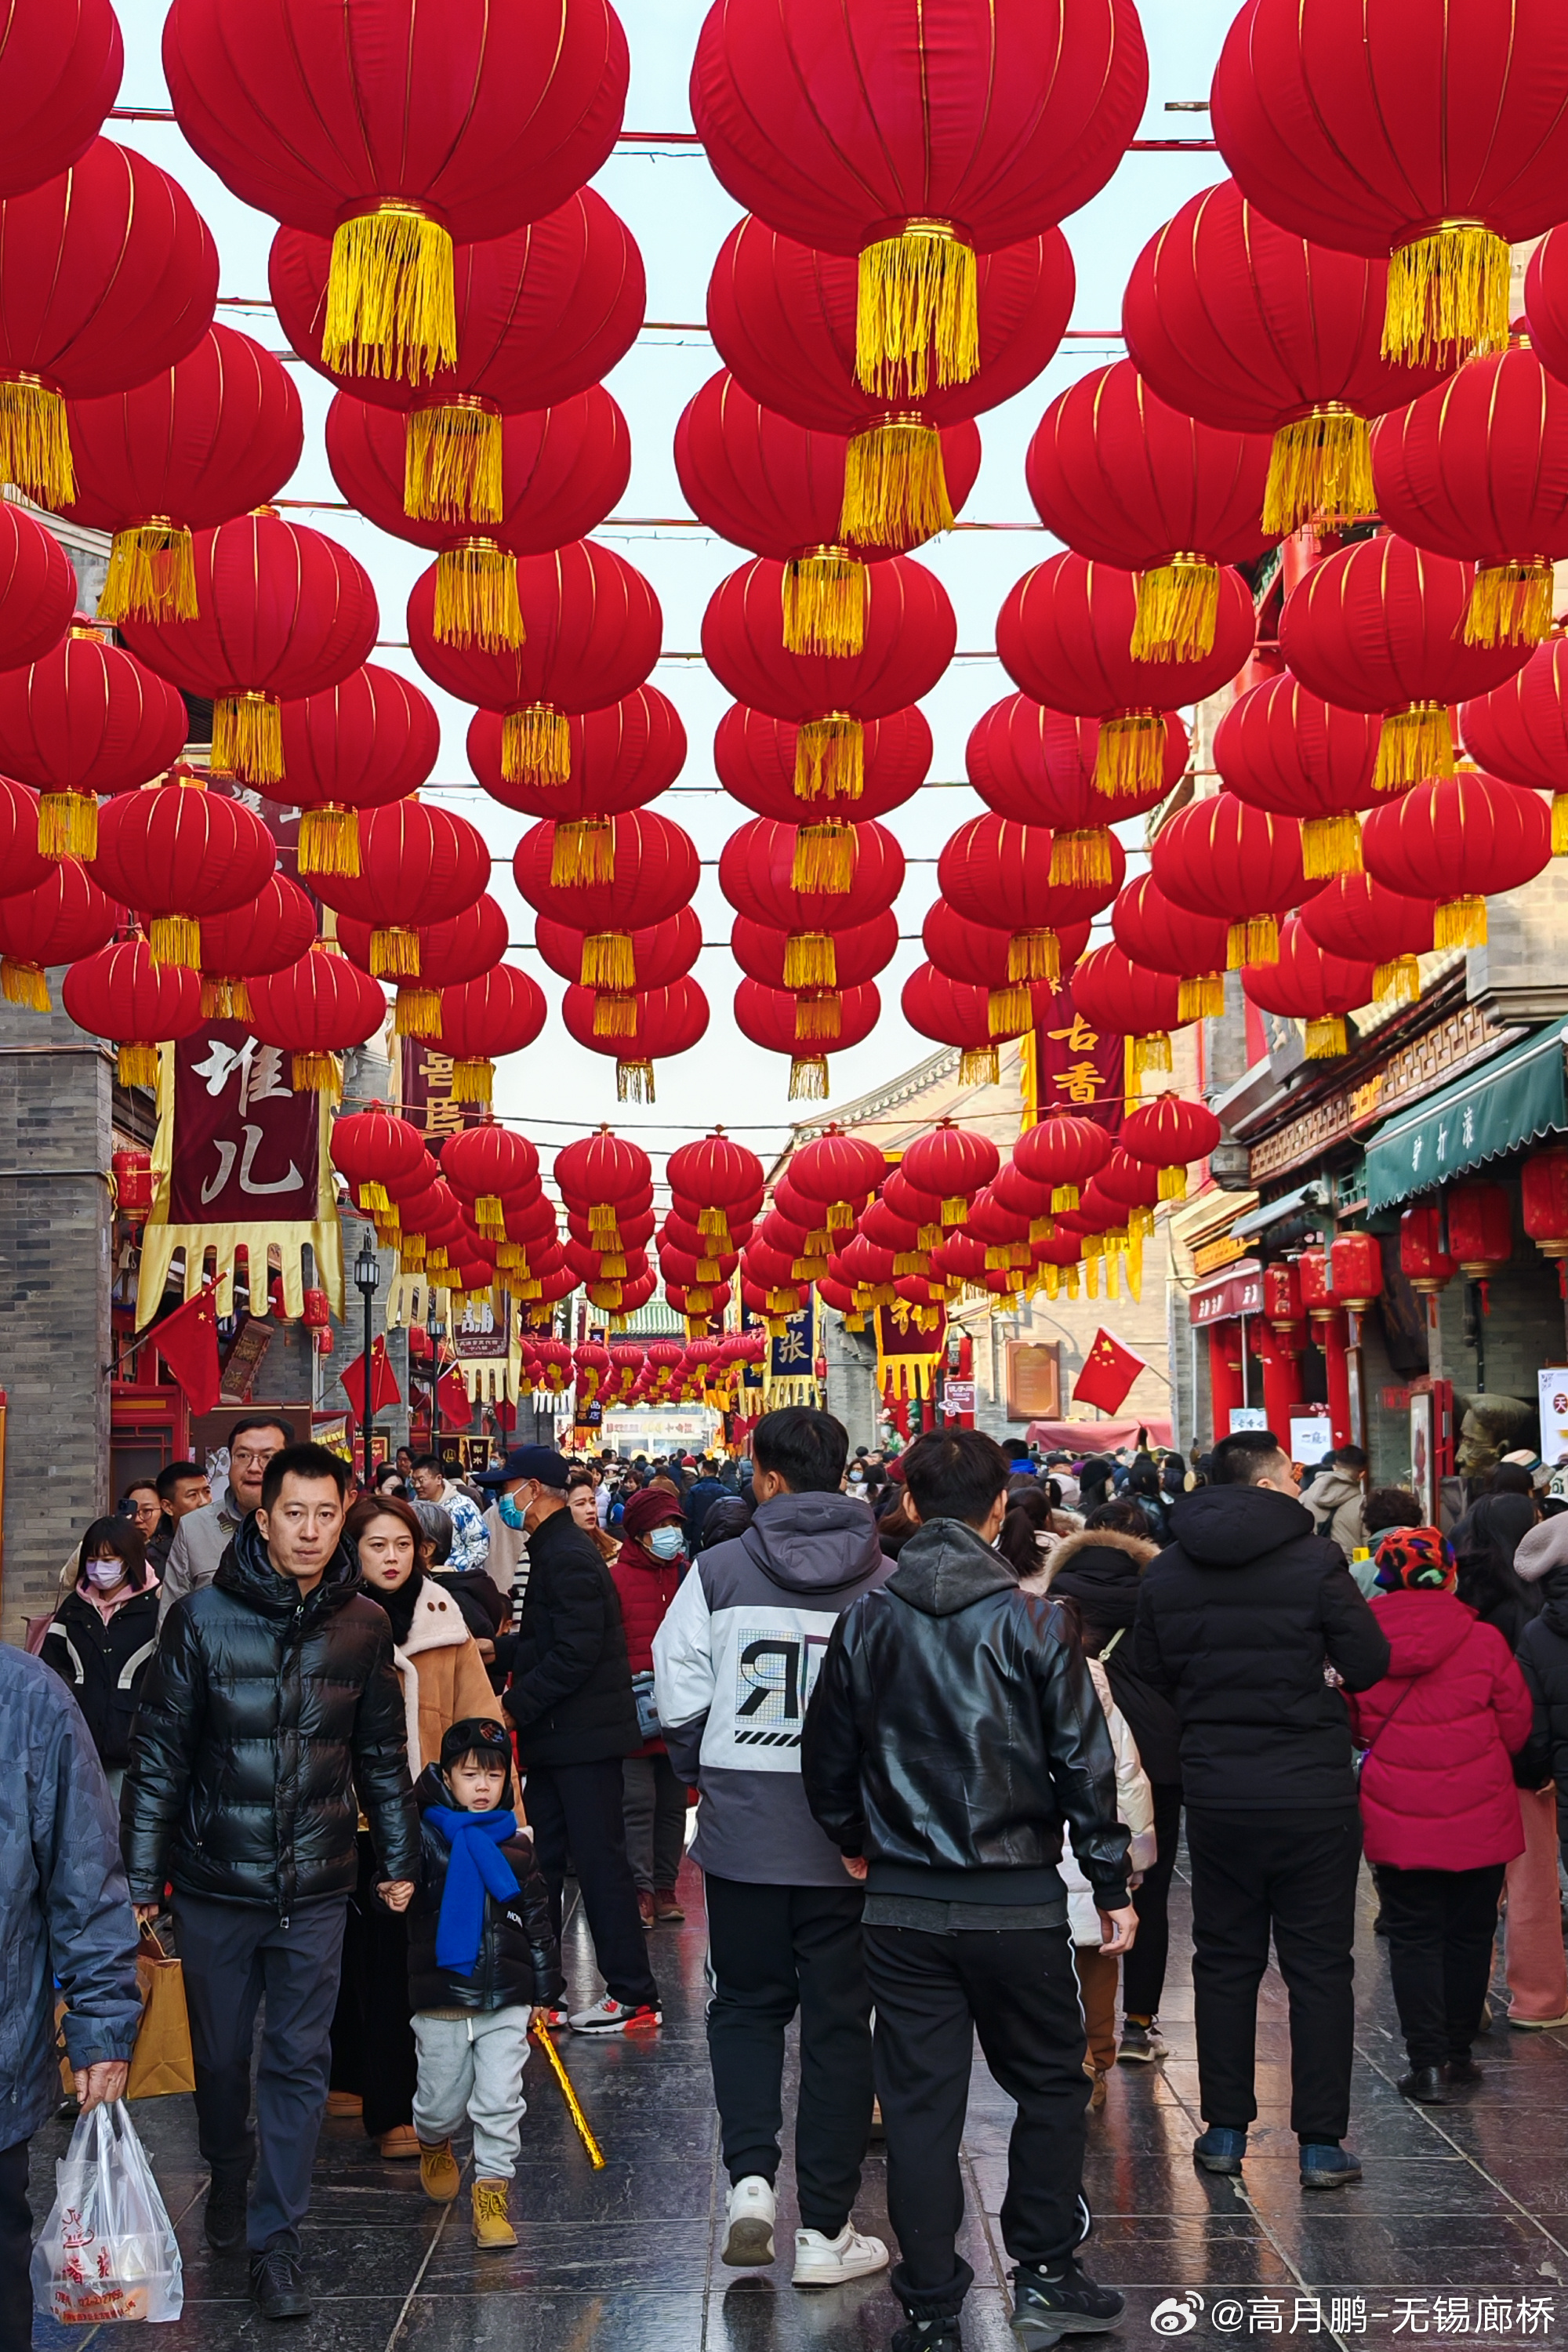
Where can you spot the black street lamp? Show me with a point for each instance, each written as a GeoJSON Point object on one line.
{"type": "Point", "coordinates": [367, 1282]}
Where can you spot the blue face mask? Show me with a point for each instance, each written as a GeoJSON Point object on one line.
{"type": "Point", "coordinates": [511, 1515]}
{"type": "Point", "coordinates": [667, 1543]}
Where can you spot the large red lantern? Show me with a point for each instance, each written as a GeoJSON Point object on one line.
{"type": "Point", "coordinates": [216, 434]}
{"type": "Point", "coordinates": [758, 869]}
{"type": "Point", "coordinates": [1253, 330]}
{"type": "Point", "coordinates": [664, 1022]}
{"type": "Point", "coordinates": [1543, 1200]}
{"type": "Point", "coordinates": [1283, 749]}
{"type": "Point", "coordinates": [379, 1154]}
{"type": "Point", "coordinates": [370, 739]}
{"type": "Point", "coordinates": [65, 918]}
{"type": "Point", "coordinates": [419, 864]}
{"type": "Point", "coordinates": [653, 872]}
{"type": "Point", "coordinates": [1168, 1133]}
{"type": "Point", "coordinates": [22, 862]}
{"type": "Point", "coordinates": [982, 957]}
{"type": "Point", "coordinates": [85, 718]}
{"type": "Point", "coordinates": [316, 1010]}
{"type": "Point", "coordinates": [394, 131]}
{"type": "Point", "coordinates": [179, 853]}
{"type": "Point", "coordinates": [264, 934]}
{"type": "Point", "coordinates": [720, 1175]}
{"type": "Point", "coordinates": [1480, 1230]}
{"type": "Point", "coordinates": [59, 69]}
{"type": "Point", "coordinates": [998, 872]}
{"type": "Point", "coordinates": [591, 627]}
{"type": "Point", "coordinates": [916, 139]}
{"type": "Point", "coordinates": [839, 1171]}
{"type": "Point", "coordinates": [1357, 1263]}
{"type": "Point", "coordinates": [1125, 479]}
{"type": "Point", "coordinates": [618, 758]}
{"type": "Point", "coordinates": [1151, 929]}
{"type": "Point", "coordinates": [1460, 841]}
{"type": "Point", "coordinates": [282, 612]}
{"type": "Point", "coordinates": [1379, 626]}
{"type": "Point", "coordinates": [958, 1013]}
{"type": "Point", "coordinates": [1062, 1153]}
{"type": "Point", "coordinates": [1064, 635]}
{"type": "Point", "coordinates": [110, 274]}
{"type": "Point", "coordinates": [1221, 856]}
{"type": "Point", "coordinates": [780, 1022]}
{"type": "Point", "coordinates": [765, 950]}
{"type": "Point", "coordinates": [757, 760]}
{"type": "Point", "coordinates": [37, 588]}
{"type": "Point", "coordinates": [1424, 1260]}
{"type": "Point", "coordinates": [910, 637]}
{"type": "Point", "coordinates": [656, 955]}
{"type": "Point", "coordinates": [1037, 767]}
{"type": "Point", "coordinates": [464, 947]}
{"type": "Point", "coordinates": [1436, 134]}
{"type": "Point", "coordinates": [1519, 732]}
{"type": "Point", "coordinates": [1355, 916]}
{"type": "Point", "coordinates": [1308, 984]}
{"type": "Point", "coordinates": [1131, 999]}
{"type": "Point", "coordinates": [484, 1019]}
{"type": "Point", "coordinates": [121, 994]}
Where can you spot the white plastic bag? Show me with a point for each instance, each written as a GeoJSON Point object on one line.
{"type": "Point", "coordinates": [108, 2251]}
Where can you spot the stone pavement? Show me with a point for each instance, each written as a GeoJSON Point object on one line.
{"type": "Point", "coordinates": [1459, 2231]}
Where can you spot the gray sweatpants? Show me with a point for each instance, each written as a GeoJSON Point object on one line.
{"type": "Point", "coordinates": [472, 2067]}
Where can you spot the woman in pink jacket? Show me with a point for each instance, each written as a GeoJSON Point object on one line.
{"type": "Point", "coordinates": [1438, 1800]}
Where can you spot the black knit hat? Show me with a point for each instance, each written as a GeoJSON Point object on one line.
{"type": "Point", "coordinates": [478, 1734]}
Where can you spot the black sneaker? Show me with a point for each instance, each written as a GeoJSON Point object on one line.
{"type": "Point", "coordinates": [224, 2218]}
{"type": "Point", "coordinates": [1067, 2302]}
{"type": "Point", "coordinates": [937, 2332]}
{"type": "Point", "coordinates": [277, 2288]}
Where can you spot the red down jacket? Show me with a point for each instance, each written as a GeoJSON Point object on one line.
{"type": "Point", "coordinates": [1437, 1790]}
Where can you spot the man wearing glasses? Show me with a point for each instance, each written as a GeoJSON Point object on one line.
{"type": "Point", "coordinates": [203, 1537]}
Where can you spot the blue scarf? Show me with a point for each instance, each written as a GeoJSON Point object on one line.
{"type": "Point", "coordinates": [475, 1867]}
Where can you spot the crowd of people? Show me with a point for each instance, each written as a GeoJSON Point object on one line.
{"type": "Point", "coordinates": [945, 1714]}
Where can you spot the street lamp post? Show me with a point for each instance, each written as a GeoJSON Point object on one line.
{"type": "Point", "coordinates": [367, 1282]}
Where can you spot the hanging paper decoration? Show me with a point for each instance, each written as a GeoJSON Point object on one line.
{"type": "Point", "coordinates": [1037, 767]}
{"type": "Point", "coordinates": [264, 934]}
{"type": "Point", "coordinates": [1221, 856]}
{"type": "Point", "coordinates": [755, 758]}
{"type": "Point", "coordinates": [65, 919]}
{"type": "Point", "coordinates": [419, 864]}
{"type": "Point", "coordinates": [1287, 751]}
{"type": "Point", "coordinates": [1519, 732]}
{"type": "Point", "coordinates": [1169, 1133]}
{"type": "Point", "coordinates": [178, 853]}
{"type": "Point", "coordinates": [654, 956]}
{"type": "Point", "coordinates": [121, 994]}
{"type": "Point", "coordinates": [652, 872]}
{"type": "Point", "coordinates": [664, 1022]}
{"type": "Point", "coordinates": [1308, 984]}
{"type": "Point", "coordinates": [782, 1021]}
{"type": "Point", "coordinates": [983, 956]}
{"type": "Point", "coordinates": [371, 739]}
{"type": "Point", "coordinates": [1144, 1005]}
{"type": "Point", "coordinates": [37, 588]}
{"type": "Point", "coordinates": [1355, 916]}
{"type": "Point", "coordinates": [1460, 841]}
{"type": "Point", "coordinates": [316, 1010]}
{"type": "Point", "coordinates": [464, 947]}
{"type": "Point", "coordinates": [86, 718]}
{"type": "Point", "coordinates": [1150, 929]}
{"type": "Point", "coordinates": [997, 873]}
{"type": "Point", "coordinates": [763, 876]}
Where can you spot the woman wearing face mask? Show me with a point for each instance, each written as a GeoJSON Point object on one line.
{"type": "Point", "coordinates": [649, 1566]}
{"type": "Point", "coordinates": [103, 1635]}
{"type": "Point", "coordinates": [443, 1681]}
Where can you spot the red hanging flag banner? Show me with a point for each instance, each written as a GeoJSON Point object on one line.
{"type": "Point", "coordinates": [188, 1341]}
{"type": "Point", "coordinates": [1108, 1374]}
{"type": "Point", "coordinates": [384, 1389]}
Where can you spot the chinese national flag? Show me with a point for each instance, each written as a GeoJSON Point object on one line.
{"type": "Point", "coordinates": [452, 1396]}
{"type": "Point", "coordinates": [1109, 1372]}
{"type": "Point", "coordinates": [384, 1388]}
{"type": "Point", "coordinates": [188, 1341]}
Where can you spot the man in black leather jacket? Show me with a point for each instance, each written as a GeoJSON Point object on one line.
{"type": "Point", "coordinates": [953, 1731]}
{"type": "Point", "coordinates": [272, 1700]}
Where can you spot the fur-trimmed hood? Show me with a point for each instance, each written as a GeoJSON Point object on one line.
{"type": "Point", "coordinates": [1136, 1548]}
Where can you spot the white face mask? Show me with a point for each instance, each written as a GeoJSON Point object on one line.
{"type": "Point", "coordinates": [667, 1543]}
{"type": "Point", "coordinates": [106, 1573]}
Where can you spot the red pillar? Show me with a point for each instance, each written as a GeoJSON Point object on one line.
{"type": "Point", "coordinates": [1225, 1373]}
{"type": "Point", "coordinates": [1281, 1380]}
{"type": "Point", "coordinates": [1331, 1333]}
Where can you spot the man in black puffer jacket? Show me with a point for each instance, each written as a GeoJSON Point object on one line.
{"type": "Point", "coordinates": [1240, 1620]}
{"type": "Point", "coordinates": [272, 1698]}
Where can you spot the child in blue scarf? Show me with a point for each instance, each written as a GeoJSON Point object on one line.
{"type": "Point", "coordinates": [481, 1954]}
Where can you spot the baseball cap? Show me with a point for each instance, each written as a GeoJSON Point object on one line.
{"type": "Point", "coordinates": [537, 1462]}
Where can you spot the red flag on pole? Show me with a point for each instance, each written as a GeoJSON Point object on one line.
{"type": "Point", "coordinates": [452, 1396]}
{"type": "Point", "coordinates": [384, 1388]}
{"type": "Point", "coordinates": [188, 1341]}
{"type": "Point", "coordinates": [1109, 1372]}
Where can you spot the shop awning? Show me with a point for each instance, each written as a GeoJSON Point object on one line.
{"type": "Point", "coordinates": [1277, 1212]}
{"type": "Point", "coordinates": [1500, 1108]}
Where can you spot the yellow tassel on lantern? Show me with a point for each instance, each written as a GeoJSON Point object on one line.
{"type": "Point", "coordinates": [1151, 1051]}
{"type": "Point", "coordinates": [824, 858]}
{"type": "Point", "coordinates": [35, 441]}
{"type": "Point", "coordinates": [895, 485]}
{"type": "Point", "coordinates": [1201, 998]}
{"type": "Point", "coordinates": [1331, 845]}
{"type": "Point", "coordinates": [490, 1215]}
{"type": "Point", "coordinates": [24, 983]}
{"type": "Point", "coordinates": [225, 1000]}
{"type": "Point", "coordinates": [1009, 1011]}
{"type": "Point", "coordinates": [247, 737]}
{"type": "Point", "coordinates": [152, 573]}
{"type": "Point", "coordinates": [1172, 1183]}
{"type": "Point", "coordinates": [1130, 754]}
{"type": "Point", "coordinates": [1064, 1196]}
{"type": "Point", "coordinates": [68, 825]}
{"type": "Point", "coordinates": [473, 1081]}
{"type": "Point", "coordinates": [416, 1013]}
{"type": "Point", "coordinates": [1510, 605]}
{"type": "Point", "coordinates": [138, 1064]}
{"type": "Point", "coordinates": [476, 596]}
{"type": "Point", "coordinates": [808, 1077]}
{"type": "Point", "coordinates": [1080, 858]}
{"type": "Point", "coordinates": [328, 839]}
{"type": "Point", "coordinates": [1448, 296]}
{"type": "Point", "coordinates": [1178, 606]}
{"type": "Point", "coordinates": [1560, 825]}
{"type": "Point", "coordinates": [917, 298]}
{"type": "Point", "coordinates": [979, 1065]}
{"type": "Point", "coordinates": [1459, 923]}
{"type": "Point", "coordinates": [604, 1225]}
{"type": "Point", "coordinates": [817, 1018]}
{"type": "Point", "coordinates": [391, 303]}
{"type": "Point", "coordinates": [614, 1015]}
{"type": "Point", "coordinates": [634, 1082]}
{"type": "Point", "coordinates": [535, 746]}
{"type": "Point", "coordinates": [1320, 471]}
{"type": "Point", "coordinates": [830, 757]}
{"type": "Point", "coordinates": [316, 1074]}
{"type": "Point", "coordinates": [713, 1224]}
{"type": "Point", "coordinates": [1326, 1036]}
{"type": "Point", "coordinates": [824, 596]}
{"type": "Point", "coordinates": [176, 939]}
{"type": "Point", "coordinates": [1254, 941]}
{"type": "Point", "coordinates": [1415, 746]}
{"type": "Point", "coordinates": [1397, 983]}
{"type": "Point", "coordinates": [1034, 955]}
{"type": "Point", "coordinates": [584, 851]}
{"type": "Point", "coordinates": [394, 953]}
{"type": "Point", "coordinates": [810, 960]}
{"type": "Point", "coordinates": [954, 1209]}
{"type": "Point", "coordinates": [452, 463]}
{"type": "Point", "coordinates": [609, 960]}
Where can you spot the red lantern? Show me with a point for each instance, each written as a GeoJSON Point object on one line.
{"type": "Point", "coordinates": [1169, 1132]}
{"type": "Point", "coordinates": [1151, 929]}
{"type": "Point", "coordinates": [619, 758]}
{"type": "Point", "coordinates": [606, 1175]}
{"type": "Point", "coordinates": [377, 1153]}
{"type": "Point", "coordinates": [483, 1165]}
{"type": "Point", "coordinates": [806, 1027]}
{"type": "Point", "coordinates": [765, 875]}
{"type": "Point", "coordinates": [86, 718]}
{"type": "Point", "coordinates": [64, 920]}
{"type": "Point", "coordinates": [464, 947]}
{"type": "Point", "coordinates": [1467, 830]}
{"type": "Point", "coordinates": [1543, 1192]}
{"type": "Point", "coordinates": [1380, 626]}
{"type": "Point", "coordinates": [1519, 732]}
{"type": "Point", "coordinates": [1353, 914]}
{"type": "Point", "coordinates": [1113, 992]}
{"type": "Point", "coordinates": [652, 872]}
{"type": "Point", "coordinates": [481, 1020]}
{"type": "Point", "coordinates": [38, 589]}
{"type": "Point", "coordinates": [1281, 749]}
{"type": "Point", "coordinates": [110, 274]}
{"type": "Point", "coordinates": [859, 953]}
{"type": "Point", "coordinates": [1423, 1259]}
{"type": "Point", "coordinates": [59, 69]}
{"type": "Point", "coordinates": [21, 861]}
{"type": "Point", "coordinates": [283, 612]}
{"type": "Point", "coordinates": [591, 635]}
{"type": "Point", "coordinates": [981, 957]}
{"type": "Point", "coordinates": [957, 1014]}
{"type": "Point", "coordinates": [653, 1024]}
{"type": "Point", "coordinates": [1437, 135]}
{"type": "Point", "coordinates": [1282, 1297]}
{"type": "Point", "coordinates": [264, 934]}
{"type": "Point", "coordinates": [1037, 767]}
{"type": "Point", "coordinates": [1308, 984]}
{"type": "Point", "coordinates": [915, 141]}
{"type": "Point", "coordinates": [1125, 479]}
{"type": "Point", "coordinates": [720, 1175]}
{"type": "Point", "coordinates": [910, 637]}
{"type": "Point", "coordinates": [997, 873]}
{"type": "Point", "coordinates": [1063, 1153]}
{"type": "Point", "coordinates": [1064, 635]}
{"type": "Point", "coordinates": [1358, 1271]}
{"type": "Point", "coordinates": [317, 1009]}
{"type": "Point", "coordinates": [368, 741]}
{"type": "Point", "coordinates": [419, 864]}
{"type": "Point", "coordinates": [839, 1171]}
{"type": "Point", "coordinates": [216, 434]}
{"type": "Point", "coordinates": [756, 761]}
{"type": "Point", "coordinates": [465, 124]}
{"type": "Point", "coordinates": [121, 994]}
{"type": "Point", "coordinates": [1221, 856]}
{"type": "Point", "coordinates": [1480, 1231]}
{"type": "Point", "coordinates": [132, 1174]}
{"type": "Point", "coordinates": [179, 853]}
{"type": "Point", "coordinates": [658, 955]}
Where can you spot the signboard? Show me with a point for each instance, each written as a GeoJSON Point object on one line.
{"type": "Point", "coordinates": [689, 1428]}
{"type": "Point", "coordinates": [1312, 1436]}
{"type": "Point", "coordinates": [958, 1396]}
{"type": "Point", "coordinates": [1552, 1384]}
{"type": "Point", "coordinates": [244, 1360]}
{"type": "Point", "coordinates": [1248, 1416]}
{"type": "Point", "coordinates": [1034, 1380]}
{"type": "Point", "coordinates": [1237, 1293]}
{"type": "Point", "coordinates": [1070, 1065]}
{"type": "Point", "coordinates": [425, 1081]}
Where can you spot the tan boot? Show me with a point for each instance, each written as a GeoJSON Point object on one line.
{"type": "Point", "coordinates": [440, 2176]}
{"type": "Point", "coordinates": [492, 2227]}
{"type": "Point", "coordinates": [344, 2102]}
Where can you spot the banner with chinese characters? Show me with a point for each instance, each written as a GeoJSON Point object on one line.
{"type": "Point", "coordinates": [1071, 1066]}
{"type": "Point", "coordinates": [487, 1344]}
{"type": "Point", "coordinates": [789, 1369]}
{"type": "Point", "coordinates": [239, 1161]}
{"type": "Point", "coordinates": [426, 1077]}
{"type": "Point", "coordinates": [910, 1344]}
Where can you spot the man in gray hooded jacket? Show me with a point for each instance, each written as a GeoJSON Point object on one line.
{"type": "Point", "coordinates": [734, 1664]}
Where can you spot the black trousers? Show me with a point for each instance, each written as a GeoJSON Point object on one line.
{"type": "Point", "coordinates": [577, 1810]}
{"type": "Point", "coordinates": [1018, 1990]}
{"type": "Point", "coordinates": [373, 2033]}
{"type": "Point", "coordinates": [1294, 1873]}
{"type": "Point", "coordinates": [771, 1950]}
{"type": "Point", "coordinates": [1143, 1968]}
{"type": "Point", "coordinates": [1441, 1924]}
{"type": "Point", "coordinates": [15, 2251]}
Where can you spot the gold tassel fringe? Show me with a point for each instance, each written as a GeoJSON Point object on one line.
{"type": "Point", "coordinates": [1415, 746]}
{"type": "Point", "coordinates": [634, 1082]}
{"type": "Point", "coordinates": [609, 960]}
{"type": "Point", "coordinates": [955, 1210]}
{"type": "Point", "coordinates": [535, 746]}
{"type": "Point", "coordinates": [808, 1077]}
{"type": "Point", "coordinates": [615, 1014]}
{"type": "Point", "coordinates": [918, 296]}
{"type": "Point", "coordinates": [713, 1224]}
{"type": "Point", "coordinates": [1130, 754]}
{"type": "Point", "coordinates": [476, 596]}
{"type": "Point", "coordinates": [35, 442]}
{"type": "Point", "coordinates": [824, 597]}
{"type": "Point", "coordinates": [810, 960]}
{"type": "Point", "coordinates": [24, 983]}
{"type": "Point", "coordinates": [1034, 955]}
{"type": "Point", "coordinates": [247, 737]}
{"type": "Point", "coordinates": [176, 939]}
{"type": "Point", "coordinates": [1080, 858]}
{"type": "Point", "coordinates": [1560, 825]}
{"type": "Point", "coordinates": [151, 574]}
{"type": "Point", "coordinates": [830, 757]}
{"type": "Point", "coordinates": [473, 1082]}
{"type": "Point", "coordinates": [1201, 998]}
{"type": "Point", "coordinates": [1178, 606]}
{"type": "Point", "coordinates": [328, 839]}
{"type": "Point", "coordinates": [1397, 981]}
{"type": "Point", "coordinates": [394, 953]}
{"type": "Point", "coordinates": [1510, 605]}
{"type": "Point", "coordinates": [1448, 296]}
{"type": "Point", "coordinates": [1254, 941]}
{"type": "Point", "coordinates": [979, 1065]}
{"type": "Point", "coordinates": [416, 1012]}
{"type": "Point", "coordinates": [452, 464]}
{"type": "Point", "coordinates": [1331, 845]}
{"type": "Point", "coordinates": [1459, 923]}
{"type": "Point", "coordinates": [316, 1074]}
{"type": "Point", "coordinates": [824, 857]}
{"type": "Point", "coordinates": [584, 851]}
{"type": "Point", "coordinates": [391, 305]}
{"type": "Point", "coordinates": [68, 825]}
{"type": "Point", "coordinates": [138, 1064]}
{"type": "Point", "coordinates": [1151, 1051]}
{"type": "Point", "coordinates": [1326, 1036]}
{"type": "Point", "coordinates": [818, 1019]}
{"type": "Point", "coordinates": [1009, 1011]}
{"type": "Point", "coordinates": [1320, 471]}
{"type": "Point", "coordinates": [1172, 1183]}
{"type": "Point", "coordinates": [895, 485]}
{"type": "Point", "coordinates": [225, 1000]}
{"type": "Point", "coordinates": [604, 1225]}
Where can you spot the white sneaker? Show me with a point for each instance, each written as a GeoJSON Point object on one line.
{"type": "Point", "coordinates": [749, 2239]}
{"type": "Point", "coordinates": [609, 2016]}
{"type": "Point", "coordinates": [828, 2261]}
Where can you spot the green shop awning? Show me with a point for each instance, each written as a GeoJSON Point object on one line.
{"type": "Point", "coordinates": [1502, 1106]}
